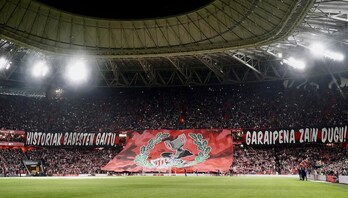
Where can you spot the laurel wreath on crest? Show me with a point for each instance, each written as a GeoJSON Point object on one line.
{"type": "Point", "coordinates": [202, 146]}
{"type": "Point", "coordinates": [141, 159]}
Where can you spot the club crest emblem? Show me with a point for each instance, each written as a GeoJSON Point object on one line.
{"type": "Point", "coordinates": [177, 153]}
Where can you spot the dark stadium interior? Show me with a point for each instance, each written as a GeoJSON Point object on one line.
{"type": "Point", "coordinates": [128, 9]}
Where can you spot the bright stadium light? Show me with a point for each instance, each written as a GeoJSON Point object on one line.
{"type": "Point", "coordinates": [4, 63]}
{"type": "Point", "coordinates": [318, 50]}
{"type": "Point", "coordinates": [8, 65]}
{"type": "Point", "coordinates": [40, 69]}
{"type": "Point", "coordinates": [334, 56]}
{"type": "Point", "coordinates": [297, 64]}
{"type": "Point", "coordinates": [76, 71]}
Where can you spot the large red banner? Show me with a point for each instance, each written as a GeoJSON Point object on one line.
{"type": "Point", "coordinates": [175, 150]}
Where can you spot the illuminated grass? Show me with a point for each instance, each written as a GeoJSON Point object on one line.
{"type": "Point", "coordinates": [169, 187]}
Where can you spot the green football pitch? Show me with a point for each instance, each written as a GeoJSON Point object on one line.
{"type": "Point", "coordinates": [149, 186]}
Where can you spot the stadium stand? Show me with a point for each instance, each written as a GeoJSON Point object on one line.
{"type": "Point", "coordinates": [244, 106]}
{"type": "Point", "coordinates": [247, 106]}
{"type": "Point", "coordinates": [322, 160]}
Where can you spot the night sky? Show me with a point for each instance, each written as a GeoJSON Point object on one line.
{"type": "Point", "coordinates": [129, 9]}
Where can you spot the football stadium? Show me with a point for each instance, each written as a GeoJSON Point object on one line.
{"type": "Point", "coordinates": [183, 98]}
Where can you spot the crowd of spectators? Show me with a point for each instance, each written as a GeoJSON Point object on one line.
{"type": "Point", "coordinates": [242, 106]}
{"type": "Point", "coordinates": [245, 106]}
{"type": "Point", "coordinates": [254, 161]}
{"type": "Point", "coordinates": [316, 159]}
{"type": "Point", "coordinates": [324, 160]}
{"type": "Point", "coordinates": [11, 162]}
{"type": "Point", "coordinates": [56, 161]}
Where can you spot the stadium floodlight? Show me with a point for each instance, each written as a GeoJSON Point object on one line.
{"type": "Point", "coordinates": [334, 56]}
{"type": "Point", "coordinates": [8, 65]}
{"type": "Point", "coordinates": [59, 91]}
{"type": "Point", "coordinates": [318, 49]}
{"type": "Point", "coordinates": [76, 71]}
{"type": "Point", "coordinates": [4, 63]}
{"type": "Point", "coordinates": [278, 54]}
{"type": "Point", "coordinates": [297, 64]}
{"type": "Point", "coordinates": [40, 69]}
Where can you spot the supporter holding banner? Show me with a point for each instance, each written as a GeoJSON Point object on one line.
{"type": "Point", "coordinates": [71, 139]}
{"type": "Point", "coordinates": [295, 136]}
{"type": "Point", "coordinates": [175, 150]}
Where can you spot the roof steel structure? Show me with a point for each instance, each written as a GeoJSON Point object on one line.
{"type": "Point", "coordinates": [225, 42]}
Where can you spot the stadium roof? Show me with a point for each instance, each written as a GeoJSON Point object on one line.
{"type": "Point", "coordinates": [217, 42]}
